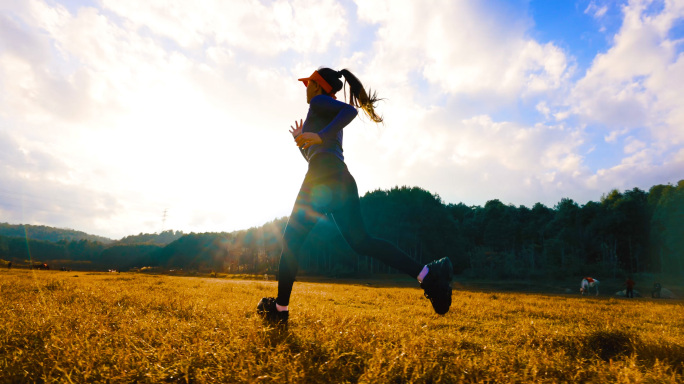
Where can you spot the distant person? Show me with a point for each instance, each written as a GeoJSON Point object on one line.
{"type": "Point", "coordinates": [655, 293]}
{"type": "Point", "coordinates": [9, 265]}
{"type": "Point", "coordinates": [629, 291]}
{"type": "Point", "coordinates": [587, 283]}
{"type": "Point", "coordinates": [330, 190]}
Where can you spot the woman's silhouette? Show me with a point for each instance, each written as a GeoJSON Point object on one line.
{"type": "Point", "coordinates": [329, 189]}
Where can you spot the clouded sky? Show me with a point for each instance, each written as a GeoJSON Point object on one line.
{"type": "Point", "coordinates": [113, 112]}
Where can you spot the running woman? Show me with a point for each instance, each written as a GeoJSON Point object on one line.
{"type": "Point", "coordinates": [329, 189]}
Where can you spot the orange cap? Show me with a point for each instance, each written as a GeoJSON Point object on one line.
{"type": "Point", "coordinates": [318, 79]}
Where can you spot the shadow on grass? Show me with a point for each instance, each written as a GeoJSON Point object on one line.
{"type": "Point", "coordinates": [316, 362]}
{"type": "Point", "coordinates": [619, 344]}
{"type": "Point", "coordinates": [610, 344]}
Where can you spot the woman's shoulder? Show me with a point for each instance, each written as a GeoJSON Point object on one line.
{"type": "Point", "coordinates": [327, 101]}
{"type": "Point", "coordinates": [326, 105]}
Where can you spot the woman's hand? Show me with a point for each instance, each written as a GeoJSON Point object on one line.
{"type": "Point", "coordinates": [297, 129]}
{"type": "Point", "coordinates": [304, 140]}
{"type": "Point", "coordinates": [307, 139]}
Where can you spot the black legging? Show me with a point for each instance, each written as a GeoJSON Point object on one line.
{"type": "Point", "coordinates": [330, 189]}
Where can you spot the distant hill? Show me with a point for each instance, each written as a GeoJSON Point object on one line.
{"type": "Point", "coordinates": [163, 238]}
{"type": "Point", "coordinates": [41, 232]}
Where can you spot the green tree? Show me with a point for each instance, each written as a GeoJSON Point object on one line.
{"type": "Point", "coordinates": [666, 202]}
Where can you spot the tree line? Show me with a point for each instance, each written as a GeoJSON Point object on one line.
{"type": "Point", "coordinates": [43, 232]}
{"type": "Point", "coordinates": [624, 232]}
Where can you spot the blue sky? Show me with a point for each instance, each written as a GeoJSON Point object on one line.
{"type": "Point", "coordinates": [571, 26]}
{"type": "Point", "coordinates": [113, 111]}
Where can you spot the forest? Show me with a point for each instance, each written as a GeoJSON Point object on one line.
{"type": "Point", "coordinates": [633, 231]}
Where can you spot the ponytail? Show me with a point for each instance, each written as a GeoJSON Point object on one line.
{"type": "Point", "coordinates": [358, 96]}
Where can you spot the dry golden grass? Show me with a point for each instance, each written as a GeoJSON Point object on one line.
{"type": "Point", "coordinates": [84, 327]}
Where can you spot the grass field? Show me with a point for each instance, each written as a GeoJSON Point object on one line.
{"type": "Point", "coordinates": [98, 327]}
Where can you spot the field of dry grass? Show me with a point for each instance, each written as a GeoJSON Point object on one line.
{"type": "Point", "coordinates": [90, 327]}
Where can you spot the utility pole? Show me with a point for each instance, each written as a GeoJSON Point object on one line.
{"type": "Point", "coordinates": [164, 220]}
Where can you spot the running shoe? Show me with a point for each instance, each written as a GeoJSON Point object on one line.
{"type": "Point", "coordinates": [267, 309]}
{"type": "Point", "coordinates": [437, 284]}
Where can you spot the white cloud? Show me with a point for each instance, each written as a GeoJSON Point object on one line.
{"type": "Point", "coordinates": [39, 188]}
{"type": "Point", "coordinates": [595, 10]}
{"type": "Point", "coordinates": [471, 160]}
{"type": "Point", "coordinates": [156, 128]}
{"type": "Point", "coordinates": [269, 29]}
{"type": "Point", "coordinates": [613, 135]}
{"type": "Point", "coordinates": [485, 60]}
{"type": "Point", "coordinates": [639, 82]}
{"type": "Point", "coordinates": [543, 108]}
{"type": "Point", "coordinates": [462, 48]}
{"type": "Point", "coordinates": [634, 145]}
{"type": "Point", "coordinates": [634, 90]}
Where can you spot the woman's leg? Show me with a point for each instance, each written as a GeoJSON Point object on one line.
{"type": "Point", "coordinates": [347, 216]}
{"type": "Point", "coordinates": [302, 220]}
{"type": "Point", "coordinates": [329, 187]}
